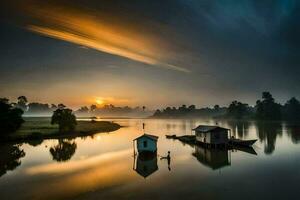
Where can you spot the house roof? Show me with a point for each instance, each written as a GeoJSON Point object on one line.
{"type": "Point", "coordinates": [206, 128]}
{"type": "Point", "coordinates": [152, 137]}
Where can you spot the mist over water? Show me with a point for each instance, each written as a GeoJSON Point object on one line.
{"type": "Point", "coordinates": [103, 166]}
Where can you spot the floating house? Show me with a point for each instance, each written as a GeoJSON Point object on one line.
{"type": "Point", "coordinates": [212, 158]}
{"type": "Point", "coordinates": [211, 135]}
{"type": "Point", "coordinates": [146, 143]}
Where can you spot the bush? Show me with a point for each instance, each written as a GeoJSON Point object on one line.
{"type": "Point", "coordinates": [10, 117]}
{"type": "Point", "coordinates": [65, 119]}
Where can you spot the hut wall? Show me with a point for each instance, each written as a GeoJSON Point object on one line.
{"type": "Point", "coordinates": [219, 137]}
{"type": "Point", "coordinates": [150, 144]}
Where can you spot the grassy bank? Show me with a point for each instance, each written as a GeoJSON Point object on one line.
{"type": "Point", "coordinates": [41, 128]}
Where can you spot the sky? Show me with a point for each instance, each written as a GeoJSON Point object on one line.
{"type": "Point", "coordinates": [152, 53]}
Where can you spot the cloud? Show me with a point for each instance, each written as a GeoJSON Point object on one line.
{"type": "Point", "coordinates": [96, 32]}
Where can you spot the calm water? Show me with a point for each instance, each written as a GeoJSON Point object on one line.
{"type": "Point", "coordinates": [103, 167]}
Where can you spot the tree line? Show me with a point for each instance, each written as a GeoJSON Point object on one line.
{"type": "Point", "coordinates": [266, 108]}
{"type": "Point", "coordinates": [36, 108]}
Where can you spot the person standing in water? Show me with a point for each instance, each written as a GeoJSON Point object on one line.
{"type": "Point", "coordinates": [168, 158]}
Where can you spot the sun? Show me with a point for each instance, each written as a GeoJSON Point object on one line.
{"type": "Point", "coordinates": [99, 101]}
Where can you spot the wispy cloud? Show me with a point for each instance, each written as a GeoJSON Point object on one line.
{"type": "Point", "coordinates": [90, 30]}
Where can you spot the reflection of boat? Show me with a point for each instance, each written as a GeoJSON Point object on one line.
{"type": "Point", "coordinates": [214, 158]}
{"type": "Point", "coordinates": [146, 164]}
{"type": "Point", "coordinates": [246, 149]}
{"type": "Point", "coordinates": [238, 142]}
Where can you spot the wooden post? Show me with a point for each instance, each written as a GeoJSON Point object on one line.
{"type": "Point", "coordinates": [133, 148]}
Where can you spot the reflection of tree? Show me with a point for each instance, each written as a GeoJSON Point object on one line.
{"type": "Point", "coordinates": [267, 132]}
{"type": "Point", "coordinates": [239, 128]}
{"type": "Point", "coordinates": [10, 156]}
{"type": "Point", "coordinates": [63, 151]}
{"type": "Point", "coordinates": [35, 142]}
{"type": "Point", "coordinates": [294, 132]}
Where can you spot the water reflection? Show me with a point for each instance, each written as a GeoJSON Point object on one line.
{"type": "Point", "coordinates": [239, 129]}
{"type": "Point", "coordinates": [63, 151]}
{"type": "Point", "coordinates": [212, 158]}
{"type": "Point", "coordinates": [268, 132]}
{"type": "Point", "coordinates": [35, 142]}
{"type": "Point", "coordinates": [145, 164]}
{"type": "Point", "coordinates": [10, 157]}
{"type": "Point", "coordinates": [293, 131]}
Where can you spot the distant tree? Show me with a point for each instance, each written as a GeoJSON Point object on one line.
{"type": "Point", "coordinates": [238, 110]}
{"type": "Point", "coordinates": [267, 108]}
{"type": "Point", "coordinates": [217, 107]}
{"type": "Point", "coordinates": [22, 103]}
{"type": "Point", "coordinates": [144, 107]}
{"type": "Point", "coordinates": [65, 119]}
{"type": "Point", "coordinates": [53, 107]}
{"type": "Point", "coordinates": [83, 109]}
{"type": "Point", "coordinates": [61, 106]}
{"type": "Point", "coordinates": [157, 113]}
{"type": "Point", "coordinates": [38, 108]}
{"type": "Point", "coordinates": [63, 151]}
{"type": "Point", "coordinates": [291, 109]}
{"type": "Point", "coordinates": [93, 108]}
{"type": "Point", "coordinates": [192, 107]}
{"type": "Point", "coordinates": [10, 117]}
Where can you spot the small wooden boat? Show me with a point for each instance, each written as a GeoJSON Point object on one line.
{"type": "Point", "coordinates": [240, 142]}
{"type": "Point", "coordinates": [171, 136]}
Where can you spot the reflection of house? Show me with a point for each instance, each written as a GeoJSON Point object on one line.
{"type": "Point", "coordinates": [146, 143]}
{"type": "Point", "coordinates": [213, 158]}
{"type": "Point", "coordinates": [146, 164]}
{"type": "Point", "coordinates": [211, 135]}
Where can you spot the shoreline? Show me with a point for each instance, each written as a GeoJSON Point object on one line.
{"type": "Point", "coordinates": [84, 129]}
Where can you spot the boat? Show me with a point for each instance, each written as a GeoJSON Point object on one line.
{"type": "Point", "coordinates": [239, 142]}
{"type": "Point", "coordinates": [171, 136]}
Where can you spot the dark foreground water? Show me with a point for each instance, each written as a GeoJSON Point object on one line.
{"type": "Point", "coordinates": [103, 167]}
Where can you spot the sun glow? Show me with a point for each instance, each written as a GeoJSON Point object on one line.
{"type": "Point", "coordinates": [99, 101]}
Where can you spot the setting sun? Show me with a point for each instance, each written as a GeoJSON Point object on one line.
{"type": "Point", "coordinates": [99, 101]}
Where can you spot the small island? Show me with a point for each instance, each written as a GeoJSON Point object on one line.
{"type": "Point", "coordinates": [62, 125]}
{"type": "Point", "coordinates": [40, 128]}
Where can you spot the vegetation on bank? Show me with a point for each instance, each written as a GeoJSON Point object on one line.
{"type": "Point", "coordinates": [189, 112]}
{"type": "Point", "coordinates": [10, 117]}
{"type": "Point", "coordinates": [63, 124]}
{"type": "Point", "coordinates": [41, 128]}
{"type": "Point", "coordinates": [265, 109]}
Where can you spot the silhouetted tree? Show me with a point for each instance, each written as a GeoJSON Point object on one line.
{"type": "Point", "coordinates": [10, 117]}
{"type": "Point", "coordinates": [93, 108]}
{"type": "Point", "coordinates": [267, 108]}
{"type": "Point", "coordinates": [22, 103]}
{"type": "Point", "coordinates": [61, 106]}
{"type": "Point", "coordinates": [63, 151]}
{"type": "Point", "coordinates": [144, 107]}
{"type": "Point", "coordinates": [53, 107]}
{"type": "Point", "coordinates": [83, 109]}
{"type": "Point", "coordinates": [65, 119]}
{"type": "Point", "coordinates": [38, 108]}
{"type": "Point", "coordinates": [157, 113]}
{"type": "Point", "coordinates": [238, 110]}
{"type": "Point", "coordinates": [192, 107]}
{"type": "Point", "coordinates": [291, 109]}
{"type": "Point", "coordinates": [217, 107]}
